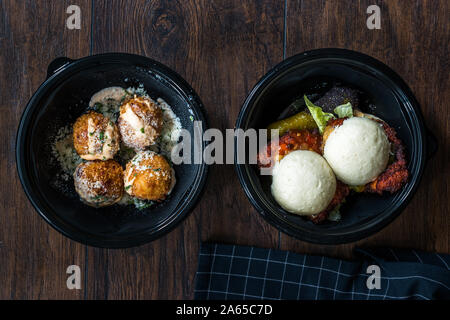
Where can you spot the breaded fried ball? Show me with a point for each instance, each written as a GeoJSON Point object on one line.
{"type": "Point", "coordinates": [148, 176]}
{"type": "Point", "coordinates": [95, 137]}
{"type": "Point", "coordinates": [99, 183]}
{"type": "Point", "coordinates": [140, 122]}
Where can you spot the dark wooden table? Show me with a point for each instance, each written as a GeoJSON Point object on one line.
{"type": "Point", "coordinates": [222, 48]}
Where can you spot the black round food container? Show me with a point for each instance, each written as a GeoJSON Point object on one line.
{"type": "Point", "coordinates": [59, 101]}
{"type": "Point", "coordinates": [385, 95]}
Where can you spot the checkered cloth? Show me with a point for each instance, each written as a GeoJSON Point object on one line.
{"type": "Point", "coordinates": [240, 272]}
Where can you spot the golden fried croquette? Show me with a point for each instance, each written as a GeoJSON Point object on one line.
{"type": "Point", "coordinates": [148, 176]}
{"type": "Point", "coordinates": [140, 122]}
{"type": "Point", "coordinates": [95, 137]}
{"type": "Point", "coordinates": [99, 183]}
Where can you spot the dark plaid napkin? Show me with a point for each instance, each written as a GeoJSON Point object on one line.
{"type": "Point", "coordinates": [240, 272]}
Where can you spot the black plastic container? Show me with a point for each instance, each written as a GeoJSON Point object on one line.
{"type": "Point", "coordinates": [362, 214]}
{"type": "Point", "coordinates": [58, 102]}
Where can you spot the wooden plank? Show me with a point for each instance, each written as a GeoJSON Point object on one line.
{"type": "Point", "coordinates": [33, 256]}
{"type": "Point", "coordinates": [413, 40]}
{"type": "Point", "coordinates": [221, 48]}
{"type": "Point", "coordinates": [239, 41]}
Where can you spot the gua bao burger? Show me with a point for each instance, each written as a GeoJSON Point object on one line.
{"type": "Point", "coordinates": [314, 168]}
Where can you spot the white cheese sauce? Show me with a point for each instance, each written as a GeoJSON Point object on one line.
{"type": "Point", "coordinates": [107, 102]}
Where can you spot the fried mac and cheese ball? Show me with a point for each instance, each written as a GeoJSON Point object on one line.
{"type": "Point", "coordinates": [140, 122]}
{"type": "Point", "coordinates": [148, 176]}
{"type": "Point", "coordinates": [95, 137]}
{"type": "Point", "coordinates": [99, 183]}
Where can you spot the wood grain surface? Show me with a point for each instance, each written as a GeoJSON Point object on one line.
{"type": "Point", "coordinates": [221, 48]}
{"type": "Point", "coordinates": [33, 257]}
{"type": "Point", "coordinates": [414, 42]}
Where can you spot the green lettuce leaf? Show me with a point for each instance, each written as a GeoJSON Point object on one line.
{"type": "Point", "coordinates": [320, 117]}
{"type": "Point", "coordinates": [344, 110]}
{"type": "Point", "coordinates": [335, 214]}
{"type": "Point", "coordinates": [357, 189]}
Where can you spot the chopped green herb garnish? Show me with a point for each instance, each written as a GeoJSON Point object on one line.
{"type": "Point", "coordinates": [97, 198]}
{"type": "Point", "coordinates": [142, 130]}
{"type": "Point", "coordinates": [141, 204]}
{"type": "Point", "coordinates": [128, 187]}
{"type": "Point", "coordinates": [101, 135]}
{"type": "Point", "coordinates": [91, 133]}
{"type": "Point", "coordinates": [344, 110]}
{"type": "Point", "coordinates": [98, 106]}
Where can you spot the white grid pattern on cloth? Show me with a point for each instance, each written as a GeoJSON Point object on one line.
{"type": "Point", "coordinates": [248, 270]}
{"type": "Point", "coordinates": [212, 264]}
{"type": "Point", "coordinates": [265, 273]}
{"type": "Point", "coordinates": [394, 255]}
{"type": "Point", "coordinates": [384, 296]}
{"type": "Point", "coordinates": [387, 288]}
{"type": "Point", "coordinates": [318, 278]}
{"type": "Point", "coordinates": [301, 277]}
{"type": "Point", "coordinates": [341, 273]}
{"type": "Point", "coordinates": [284, 273]}
{"type": "Point", "coordinates": [319, 287]}
{"type": "Point", "coordinates": [337, 280]}
{"type": "Point", "coordinates": [443, 261]}
{"type": "Point", "coordinates": [326, 288]}
{"type": "Point", "coordinates": [418, 258]}
{"type": "Point", "coordinates": [229, 272]}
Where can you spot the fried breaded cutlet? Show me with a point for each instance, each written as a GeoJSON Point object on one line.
{"type": "Point", "coordinates": [292, 140]}
{"type": "Point", "coordinates": [396, 174]}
